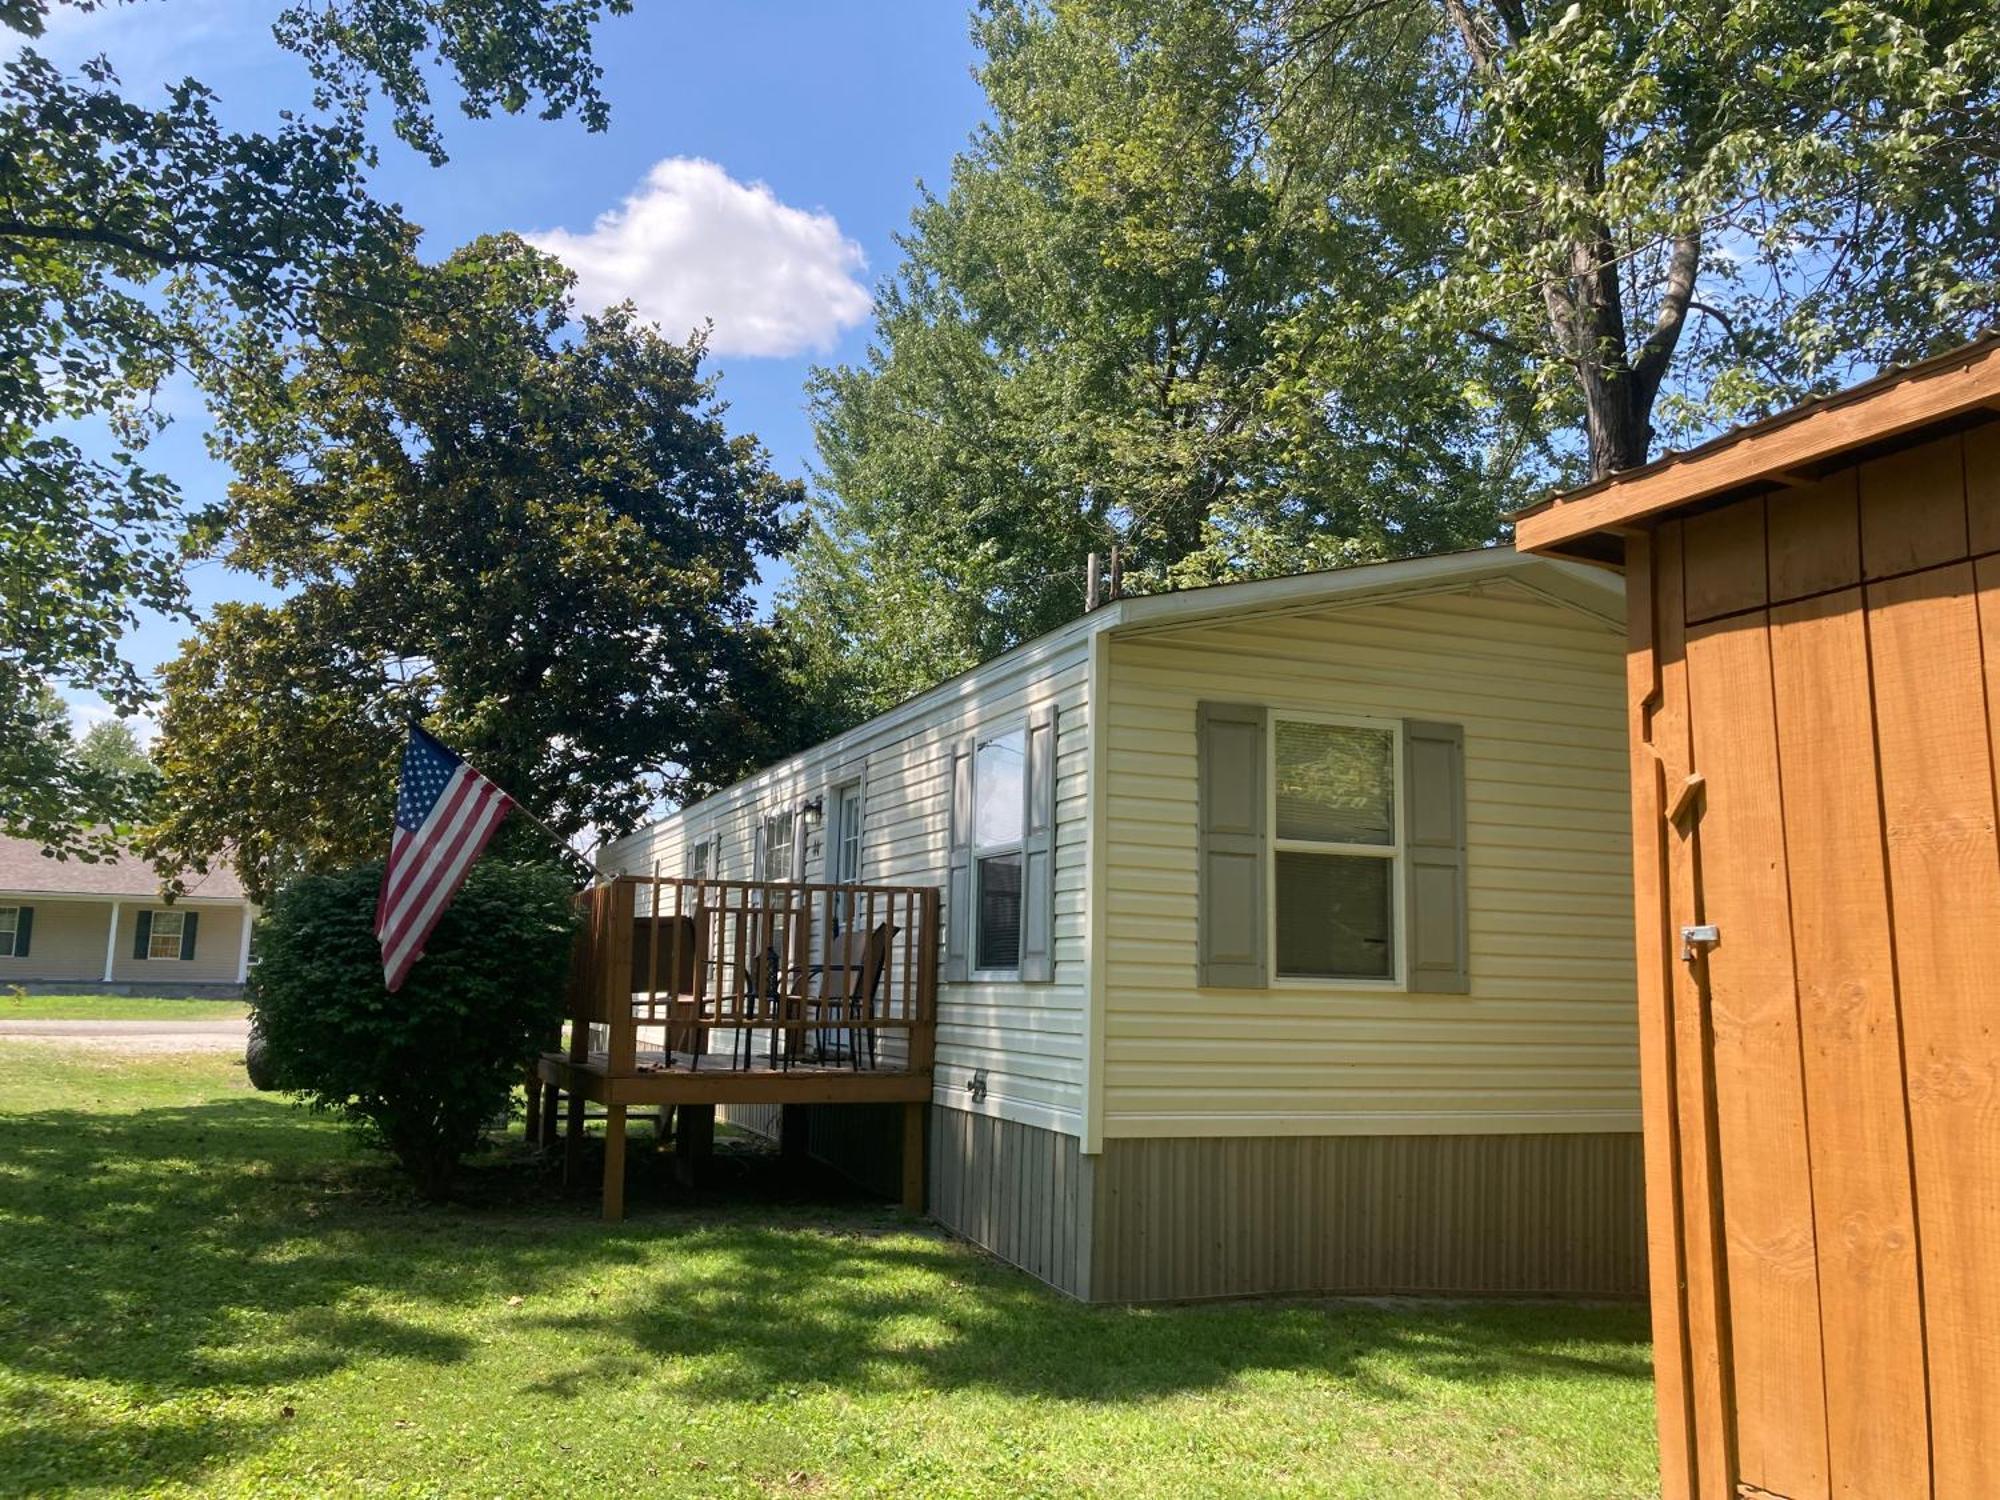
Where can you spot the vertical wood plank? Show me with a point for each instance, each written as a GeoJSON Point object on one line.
{"type": "Point", "coordinates": [1671, 1374]}
{"type": "Point", "coordinates": [1863, 1213]}
{"type": "Point", "coordinates": [1723, 563]}
{"type": "Point", "coordinates": [1814, 538]}
{"type": "Point", "coordinates": [1706, 1293]}
{"type": "Point", "coordinates": [1774, 1311]}
{"type": "Point", "coordinates": [1913, 508]}
{"type": "Point", "coordinates": [1928, 634]}
{"type": "Point", "coordinates": [1982, 488]}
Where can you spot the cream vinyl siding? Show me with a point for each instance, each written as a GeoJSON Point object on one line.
{"type": "Point", "coordinates": [1026, 1038]}
{"type": "Point", "coordinates": [218, 941]}
{"type": "Point", "coordinates": [1545, 1041]}
{"type": "Point", "coordinates": [68, 941]}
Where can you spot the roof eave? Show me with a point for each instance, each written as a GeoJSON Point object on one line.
{"type": "Point", "coordinates": [1894, 405]}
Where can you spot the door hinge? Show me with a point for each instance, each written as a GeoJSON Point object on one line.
{"type": "Point", "coordinates": [1700, 937]}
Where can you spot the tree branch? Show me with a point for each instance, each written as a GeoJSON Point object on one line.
{"type": "Point", "coordinates": [1650, 368]}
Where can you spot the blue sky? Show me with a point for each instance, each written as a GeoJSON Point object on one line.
{"type": "Point", "coordinates": [760, 160]}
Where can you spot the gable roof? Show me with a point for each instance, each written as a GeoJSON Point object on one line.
{"type": "Point", "coordinates": [1599, 592]}
{"type": "Point", "coordinates": [25, 869]}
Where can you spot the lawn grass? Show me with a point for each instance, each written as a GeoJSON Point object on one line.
{"type": "Point", "coordinates": [15, 1007]}
{"type": "Point", "coordinates": [209, 1291]}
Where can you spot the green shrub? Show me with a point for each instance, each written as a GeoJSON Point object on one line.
{"type": "Point", "coordinates": [419, 1072]}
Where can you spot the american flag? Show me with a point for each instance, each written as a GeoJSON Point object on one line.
{"type": "Point", "coordinates": [445, 813]}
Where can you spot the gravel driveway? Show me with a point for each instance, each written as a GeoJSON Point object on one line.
{"type": "Point", "coordinates": [134, 1036]}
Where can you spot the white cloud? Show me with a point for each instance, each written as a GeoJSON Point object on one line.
{"type": "Point", "coordinates": [693, 243]}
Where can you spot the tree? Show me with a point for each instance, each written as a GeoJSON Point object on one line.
{"type": "Point", "coordinates": [110, 748]}
{"type": "Point", "coordinates": [131, 232]}
{"type": "Point", "coordinates": [532, 530]}
{"type": "Point", "coordinates": [420, 1072]}
{"type": "Point", "coordinates": [1148, 312]}
{"type": "Point", "coordinates": [1677, 215]}
{"type": "Point", "coordinates": [69, 802]}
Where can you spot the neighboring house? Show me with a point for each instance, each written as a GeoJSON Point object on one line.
{"type": "Point", "coordinates": [1287, 934]}
{"type": "Point", "coordinates": [70, 925]}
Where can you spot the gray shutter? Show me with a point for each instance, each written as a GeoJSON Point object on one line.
{"type": "Point", "coordinates": [189, 923]}
{"type": "Point", "coordinates": [1038, 851]}
{"type": "Point", "coordinates": [142, 934]}
{"type": "Point", "coordinates": [958, 876]}
{"type": "Point", "coordinates": [1233, 915]}
{"type": "Point", "coordinates": [24, 929]}
{"type": "Point", "coordinates": [798, 865]}
{"type": "Point", "coordinates": [757, 840]}
{"type": "Point", "coordinates": [1435, 956]}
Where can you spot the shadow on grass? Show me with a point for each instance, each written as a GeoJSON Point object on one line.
{"type": "Point", "coordinates": [241, 1248]}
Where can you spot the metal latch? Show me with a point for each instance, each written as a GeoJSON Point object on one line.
{"type": "Point", "coordinates": [1692, 938]}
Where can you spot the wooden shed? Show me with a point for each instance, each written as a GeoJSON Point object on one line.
{"type": "Point", "coordinates": [1814, 692]}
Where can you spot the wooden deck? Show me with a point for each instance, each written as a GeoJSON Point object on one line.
{"type": "Point", "coordinates": [688, 994]}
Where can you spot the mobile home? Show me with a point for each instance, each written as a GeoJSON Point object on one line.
{"type": "Point", "coordinates": [1285, 939]}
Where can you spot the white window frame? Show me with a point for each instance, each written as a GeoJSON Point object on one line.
{"type": "Point", "coordinates": [980, 851]}
{"type": "Point", "coordinates": [835, 835]}
{"type": "Point", "coordinates": [794, 854]}
{"type": "Point", "coordinates": [153, 936]}
{"type": "Point", "coordinates": [13, 930]}
{"type": "Point", "coordinates": [1394, 852]}
{"type": "Point", "coordinates": [698, 850]}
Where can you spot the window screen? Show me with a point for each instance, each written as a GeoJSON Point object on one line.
{"type": "Point", "coordinates": [1334, 916]}
{"type": "Point", "coordinates": [1335, 850]}
{"type": "Point", "coordinates": [999, 912]}
{"type": "Point", "coordinates": [10, 925]}
{"type": "Point", "coordinates": [165, 941]}
{"type": "Point", "coordinates": [1336, 783]}
{"type": "Point", "coordinates": [999, 819]}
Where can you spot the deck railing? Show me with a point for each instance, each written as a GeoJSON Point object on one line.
{"type": "Point", "coordinates": [763, 974]}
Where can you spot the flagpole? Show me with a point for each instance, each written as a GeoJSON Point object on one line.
{"type": "Point", "coordinates": [516, 805]}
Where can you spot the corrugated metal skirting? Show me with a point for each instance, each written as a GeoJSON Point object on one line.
{"type": "Point", "coordinates": [1019, 1191]}
{"type": "Point", "coordinates": [1555, 1215]}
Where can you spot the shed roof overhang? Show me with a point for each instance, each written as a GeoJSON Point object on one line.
{"type": "Point", "coordinates": [1795, 446]}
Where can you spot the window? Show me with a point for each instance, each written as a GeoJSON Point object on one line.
{"type": "Point", "coordinates": [1335, 851]}
{"type": "Point", "coordinates": [697, 859]}
{"type": "Point", "coordinates": [999, 818]}
{"type": "Point", "coordinates": [775, 862]}
{"type": "Point", "coordinates": [165, 938]}
{"type": "Point", "coordinates": [845, 865]}
{"type": "Point", "coordinates": [10, 928]}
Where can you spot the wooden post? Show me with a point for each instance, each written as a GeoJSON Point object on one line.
{"type": "Point", "coordinates": [531, 1126]}
{"type": "Point", "coordinates": [913, 1156]}
{"type": "Point", "coordinates": [551, 1102]}
{"type": "Point", "coordinates": [614, 1163]}
{"type": "Point", "coordinates": [573, 1142]}
{"type": "Point", "coordinates": [694, 1142]}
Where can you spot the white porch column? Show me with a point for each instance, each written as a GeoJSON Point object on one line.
{"type": "Point", "coordinates": [243, 950]}
{"type": "Point", "coordinates": [111, 943]}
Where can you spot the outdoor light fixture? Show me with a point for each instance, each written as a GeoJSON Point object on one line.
{"type": "Point", "coordinates": [815, 809]}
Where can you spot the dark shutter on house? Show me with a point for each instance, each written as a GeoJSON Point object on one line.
{"type": "Point", "coordinates": [1232, 919]}
{"type": "Point", "coordinates": [796, 870]}
{"type": "Point", "coordinates": [189, 922]}
{"type": "Point", "coordinates": [24, 929]}
{"type": "Point", "coordinates": [142, 934]}
{"type": "Point", "coordinates": [958, 872]}
{"type": "Point", "coordinates": [1435, 956]}
{"type": "Point", "coordinates": [1038, 850]}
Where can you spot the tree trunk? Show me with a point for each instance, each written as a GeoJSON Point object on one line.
{"type": "Point", "coordinates": [1617, 421]}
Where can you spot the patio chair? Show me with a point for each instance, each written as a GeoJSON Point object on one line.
{"type": "Point", "coordinates": [679, 971]}
{"type": "Point", "coordinates": [853, 998]}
